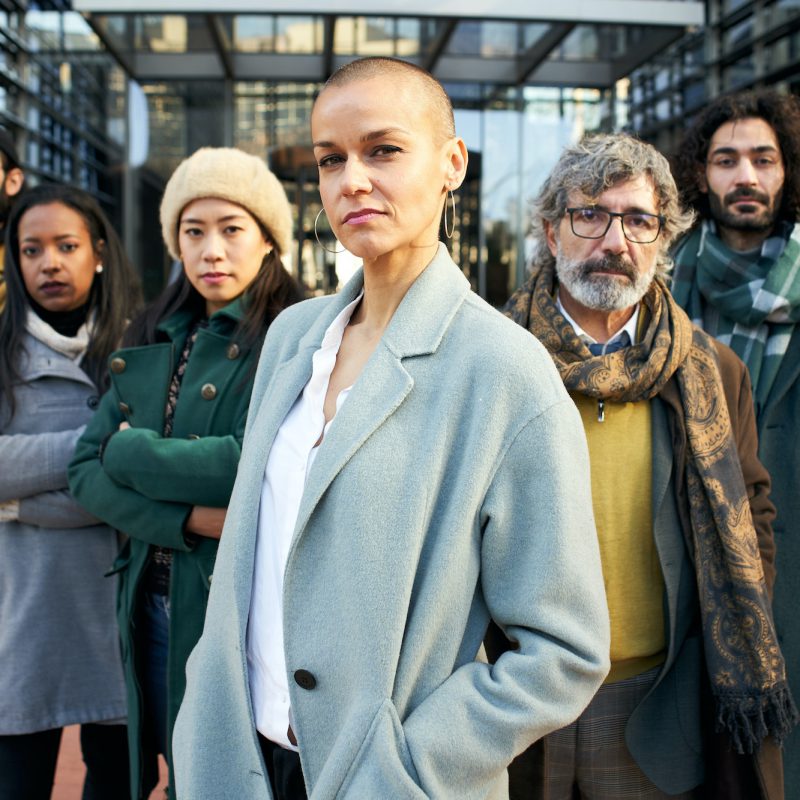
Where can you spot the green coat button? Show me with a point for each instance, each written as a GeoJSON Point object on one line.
{"type": "Point", "coordinates": [233, 351]}
{"type": "Point", "coordinates": [209, 391]}
{"type": "Point", "coordinates": [124, 408]}
{"type": "Point", "coordinates": [118, 365]}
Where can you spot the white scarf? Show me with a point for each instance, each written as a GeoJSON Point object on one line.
{"type": "Point", "coordinates": [73, 347]}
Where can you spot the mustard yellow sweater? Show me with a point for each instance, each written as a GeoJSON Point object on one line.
{"type": "Point", "coordinates": [620, 454]}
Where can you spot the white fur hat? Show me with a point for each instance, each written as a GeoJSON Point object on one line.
{"type": "Point", "coordinates": [229, 174]}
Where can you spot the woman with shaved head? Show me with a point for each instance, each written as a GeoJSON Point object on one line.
{"type": "Point", "coordinates": [412, 468]}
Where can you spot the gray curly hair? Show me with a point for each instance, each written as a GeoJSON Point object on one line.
{"type": "Point", "coordinates": [595, 164]}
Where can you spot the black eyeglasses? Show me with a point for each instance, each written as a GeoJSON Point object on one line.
{"type": "Point", "coordinates": [593, 223]}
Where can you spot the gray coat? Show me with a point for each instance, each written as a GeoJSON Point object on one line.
{"type": "Point", "coordinates": [59, 648]}
{"type": "Point", "coordinates": [452, 487]}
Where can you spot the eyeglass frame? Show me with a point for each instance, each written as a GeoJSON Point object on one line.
{"type": "Point", "coordinates": [611, 214]}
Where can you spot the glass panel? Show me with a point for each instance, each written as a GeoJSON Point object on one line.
{"type": "Point", "coordinates": [344, 36]}
{"type": "Point", "coordinates": [298, 35]}
{"type": "Point", "coordinates": [167, 124]}
{"type": "Point", "coordinates": [272, 115]}
{"type": "Point", "coordinates": [532, 33]}
{"type": "Point", "coordinates": [737, 35]}
{"type": "Point", "coordinates": [594, 42]}
{"type": "Point", "coordinates": [781, 11]}
{"type": "Point", "coordinates": [408, 37]}
{"type": "Point", "coordinates": [733, 5]}
{"type": "Point", "coordinates": [487, 39]}
{"type": "Point", "coordinates": [374, 36]}
{"type": "Point", "coordinates": [78, 35]}
{"type": "Point", "coordinates": [582, 44]}
{"type": "Point", "coordinates": [783, 52]}
{"type": "Point", "coordinates": [466, 39]}
{"type": "Point", "coordinates": [162, 34]}
{"type": "Point", "coordinates": [499, 39]}
{"type": "Point", "coordinates": [694, 95]}
{"type": "Point", "coordinates": [254, 34]}
{"type": "Point", "coordinates": [43, 30]}
{"type": "Point", "coordinates": [118, 28]}
{"type": "Point", "coordinates": [738, 74]}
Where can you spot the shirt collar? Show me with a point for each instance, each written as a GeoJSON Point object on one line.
{"type": "Point", "coordinates": [630, 327]}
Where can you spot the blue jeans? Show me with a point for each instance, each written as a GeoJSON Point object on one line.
{"type": "Point", "coordinates": [154, 647]}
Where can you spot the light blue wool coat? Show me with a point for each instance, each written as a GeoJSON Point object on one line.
{"type": "Point", "coordinates": [452, 486]}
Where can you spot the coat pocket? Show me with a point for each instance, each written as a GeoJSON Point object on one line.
{"type": "Point", "coordinates": [383, 766]}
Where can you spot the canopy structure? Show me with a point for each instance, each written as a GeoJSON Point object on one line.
{"type": "Point", "coordinates": [516, 43]}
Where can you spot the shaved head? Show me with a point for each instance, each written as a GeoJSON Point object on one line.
{"type": "Point", "coordinates": [439, 107]}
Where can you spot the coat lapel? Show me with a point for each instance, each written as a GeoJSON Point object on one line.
{"type": "Point", "coordinates": [269, 407]}
{"type": "Point", "coordinates": [666, 525]}
{"type": "Point", "coordinates": [417, 328]}
{"type": "Point", "coordinates": [788, 373]}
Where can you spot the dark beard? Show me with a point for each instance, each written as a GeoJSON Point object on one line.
{"type": "Point", "coordinates": [764, 221]}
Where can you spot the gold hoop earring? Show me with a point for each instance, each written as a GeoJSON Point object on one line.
{"type": "Point", "coordinates": [316, 235]}
{"type": "Point", "coordinates": [452, 198]}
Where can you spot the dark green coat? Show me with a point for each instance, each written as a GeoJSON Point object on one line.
{"type": "Point", "coordinates": [146, 485]}
{"type": "Point", "coordinates": [779, 450]}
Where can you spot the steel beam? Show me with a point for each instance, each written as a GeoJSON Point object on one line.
{"type": "Point", "coordinates": [613, 12]}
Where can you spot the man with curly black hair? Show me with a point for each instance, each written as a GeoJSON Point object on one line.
{"type": "Point", "coordinates": [737, 274]}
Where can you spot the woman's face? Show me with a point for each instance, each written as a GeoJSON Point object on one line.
{"type": "Point", "coordinates": [384, 167]}
{"type": "Point", "coordinates": [56, 256]}
{"type": "Point", "coordinates": [222, 248]}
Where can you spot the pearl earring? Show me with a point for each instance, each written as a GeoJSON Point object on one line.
{"type": "Point", "coordinates": [98, 269]}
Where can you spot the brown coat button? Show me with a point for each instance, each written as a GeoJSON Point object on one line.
{"type": "Point", "coordinates": [124, 408]}
{"type": "Point", "coordinates": [209, 391]}
{"type": "Point", "coordinates": [118, 365]}
{"type": "Point", "coordinates": [233, 351]}
{"type": "Point", "coordinates": [304, 679]}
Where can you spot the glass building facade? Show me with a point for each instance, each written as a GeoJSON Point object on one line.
{"type": "Point", "coordinates": [112, 97]}
{"type": "Point", "coordinates": [744, 44]}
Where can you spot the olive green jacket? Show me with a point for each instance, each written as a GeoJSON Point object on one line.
{"type": "Point", "coordinates": [145, 485]}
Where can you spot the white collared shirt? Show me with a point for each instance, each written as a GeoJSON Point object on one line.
{"type": "Point", "coordinates": [289, 462]}
{"type": "Point", "coordinates": [630, 327]}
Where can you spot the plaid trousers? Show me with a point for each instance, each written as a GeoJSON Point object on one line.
{"type": "Point", "coordinates": [589, 758]}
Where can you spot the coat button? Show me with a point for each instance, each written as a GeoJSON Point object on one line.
{"type": "Point", "coordinates": [193, 436]}
{"type": "Point", "coordinates": [118, 365]}
{"type": "Point", "coordinates": [209, 578]}
{"type": "Point", "coordinates": [233, 351]}
{"type": "Point", "coordinates": [93, 401]}
{"type": "Point", "coordinates": [124, 408]}
{"type": "Point", "coordinates": [304, 679]}
{"type": "Point", "coordinates": [209, 391]}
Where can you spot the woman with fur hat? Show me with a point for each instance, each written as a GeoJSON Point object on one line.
{"type": "Point", "coordinates": [71, 292]}
{"type": "Point", "coordinates": [159, 460]}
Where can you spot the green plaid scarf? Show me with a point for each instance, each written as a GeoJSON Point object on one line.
{"type": "Point", "coordinates": [743, 658]}
{"type": "Point", "coordinates": [750, 304]}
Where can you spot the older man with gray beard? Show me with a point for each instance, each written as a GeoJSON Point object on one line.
{"type": "Point", "coordinates": [697, 692]}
